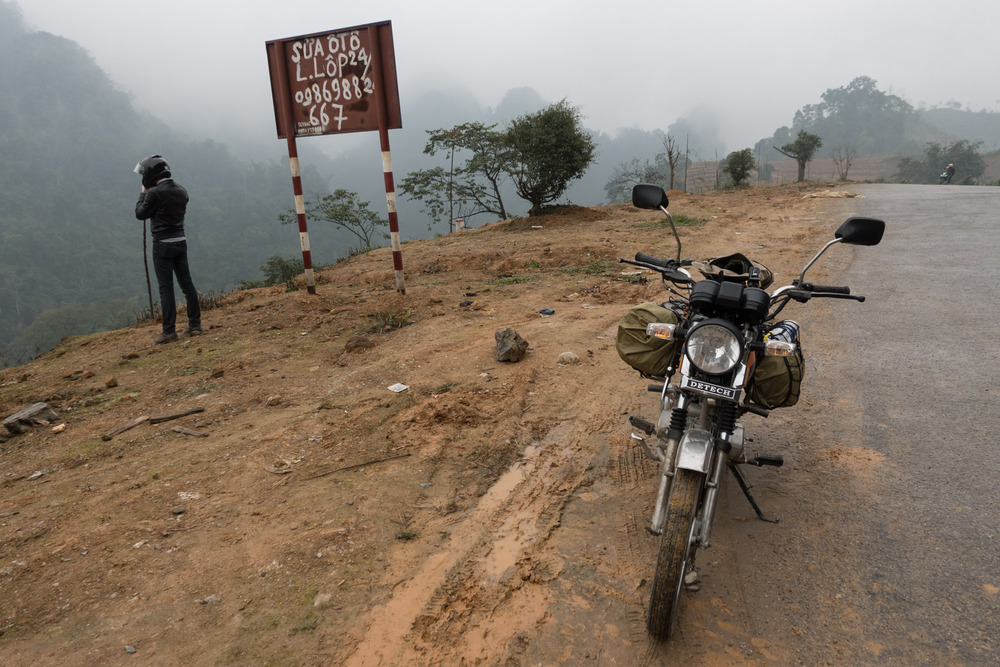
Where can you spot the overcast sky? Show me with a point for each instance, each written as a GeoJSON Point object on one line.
{"type": "Point", "coordinates": [201, 65]}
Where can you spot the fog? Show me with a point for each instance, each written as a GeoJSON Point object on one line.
{"type": "Point", "coordinates": [201, 66]}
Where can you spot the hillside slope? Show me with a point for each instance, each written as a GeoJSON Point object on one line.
{"type": "Point", "coordinates": [325, 518]}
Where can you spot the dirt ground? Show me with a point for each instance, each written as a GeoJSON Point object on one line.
{"type": "Point", "coordinates": [490, 513]}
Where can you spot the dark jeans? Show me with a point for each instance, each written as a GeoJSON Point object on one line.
{"type": "Point", "coordinates": [170, 259]}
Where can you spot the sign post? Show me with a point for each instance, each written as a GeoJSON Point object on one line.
{"type": "Point", "coordinates": [333, 83]}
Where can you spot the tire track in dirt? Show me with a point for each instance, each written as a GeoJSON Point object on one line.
{"type": "Point", "coordinates": [459, 599]}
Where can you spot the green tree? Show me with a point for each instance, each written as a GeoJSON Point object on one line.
{"type": "Point", "coordinates": [345, 210]}
{"type": "Point", "coordinates": [549, 149]}
{"type": "Point", "coordinates": [473, 187]}
{"type": "Point", "coordinates": [279, 270]}
{"type": "Point", "coordinates": [739, 165]}
{"type": "Point", "coordinates": [802, 150]}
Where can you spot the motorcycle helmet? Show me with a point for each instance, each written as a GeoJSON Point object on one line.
{"type": "Point", "coordinates": [152, 169]}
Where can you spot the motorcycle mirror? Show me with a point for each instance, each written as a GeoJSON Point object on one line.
{"type": "Point", "coordinates": [648, 196]}
{"type": "Point", "coordinates": [860, 231]}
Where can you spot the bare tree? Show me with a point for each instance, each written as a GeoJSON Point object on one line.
{"type": "Point", "coordinates": [628, 174]}
{"type": "Point", "coordinates": [843, 156]}
{"type": "Point", "coordinates": [673, 156]}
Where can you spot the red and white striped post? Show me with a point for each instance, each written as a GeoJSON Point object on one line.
{"type": "Point", "coordinates": [300, 213]}
{"type": "Point", "coordinates": [390, 188]}
{"type": "Point", "coordinates": [390, 200]}
{"type": "Point", "coordinates": [293, 161]}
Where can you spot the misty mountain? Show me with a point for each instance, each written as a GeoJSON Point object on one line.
{"type": "Point", "coordinates": [71, 250]}
{"type": "Point", "coordinates": [876, 123]}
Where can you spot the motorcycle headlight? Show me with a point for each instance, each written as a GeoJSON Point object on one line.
{"type": "Point", "coordinates": [714, 347]}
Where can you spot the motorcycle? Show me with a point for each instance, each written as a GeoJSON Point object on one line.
{"type": "Point", "coordinates": [710, 345]}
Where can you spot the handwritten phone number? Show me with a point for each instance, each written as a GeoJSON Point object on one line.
{"type": "Point", "coordinates": [331, 84]}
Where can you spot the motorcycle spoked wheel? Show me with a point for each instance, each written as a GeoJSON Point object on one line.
{"type": "Point", "coordinates": [675, 549]}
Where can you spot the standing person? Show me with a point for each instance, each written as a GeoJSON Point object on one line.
{"type": "Point", "coordinates": [164, 203]}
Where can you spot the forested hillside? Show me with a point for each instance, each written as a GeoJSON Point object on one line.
{"type": "Point", "coordinates": [71, 251]}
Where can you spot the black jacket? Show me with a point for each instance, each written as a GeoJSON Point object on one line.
{"type": "Point", "coordinates": [164, 206]}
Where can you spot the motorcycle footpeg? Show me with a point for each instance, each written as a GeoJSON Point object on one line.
{"type": "Point", "coordinates": [775, 460]}
{"type": "Point", "coordinates": [642, 425]}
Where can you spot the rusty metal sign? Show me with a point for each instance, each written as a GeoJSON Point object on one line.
{"type": "Point", "coordinates": [328, 83]}
{"type": "Point", "coordinates": [332, 83]}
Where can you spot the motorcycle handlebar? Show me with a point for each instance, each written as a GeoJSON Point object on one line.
{"type": "Point", "coordinates": [831, 289]}
{"type": "Point", "coordinates": [655, 261]}
{"type": "Point", "coordinates": [805, 295]}
{"type": "Point", "coordinates": [666, 268]}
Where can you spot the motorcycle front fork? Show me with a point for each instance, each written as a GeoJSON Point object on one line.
{"type": "Point", "coordinates": [728, 452]}
{"type": "Point", "coordinates": [667, 454]}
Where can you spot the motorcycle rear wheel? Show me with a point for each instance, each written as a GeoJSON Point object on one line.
{"type": "Point", "coordinates": [675, 548]}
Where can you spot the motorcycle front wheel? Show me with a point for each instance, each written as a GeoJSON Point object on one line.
{"type": "Point", "coordinates": [675, 548]}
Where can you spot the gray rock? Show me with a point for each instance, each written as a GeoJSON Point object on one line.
{"type": "Point", "coordinates": [568, 358]}
{"type": "Point", "coordinates": [22, 421]}
{"type": "Point", "coordinates": [510, 345]}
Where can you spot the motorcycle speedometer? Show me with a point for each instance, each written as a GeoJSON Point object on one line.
{"type": "Point", "coordinates": [714, 347]}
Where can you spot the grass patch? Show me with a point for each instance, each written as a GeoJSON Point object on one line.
{"type": "Point", "coordinates": [386, 321]}
{"type": "Point", "coordinates": [308, 624]}
{"type": "Point", "coordinates": [84, 403]}
{"type": "Point", "coordinates": [513, 280]}
{"type": "Point", "coordinates": [632, 279]}
{"type": "Point", "coordinates": [680, 220]}
{"type": "Point", "coordinates": [88, 451]}
{"type": "Point", "coordinates": [596, 267]}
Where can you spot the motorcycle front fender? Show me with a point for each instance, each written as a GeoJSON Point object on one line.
{"type": "Point", "coordinates": [695, 450]}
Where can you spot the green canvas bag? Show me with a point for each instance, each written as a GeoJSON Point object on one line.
{"type": "Point", "coordinates": [647, 354]}
{"type": "Point", "coordinates": [777, 381]}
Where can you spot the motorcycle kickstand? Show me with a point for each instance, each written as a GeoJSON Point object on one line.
{"type": "Point", "coordinates": [746, 492]}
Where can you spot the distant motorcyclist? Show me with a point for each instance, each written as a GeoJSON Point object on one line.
{"type": "Point", "coordinates": [947, 174]}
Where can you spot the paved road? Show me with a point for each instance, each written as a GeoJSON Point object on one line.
{"type": "Point", "coordinates": [887, 550]}
{"type": "Point", "coordinates": [929, 379]}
